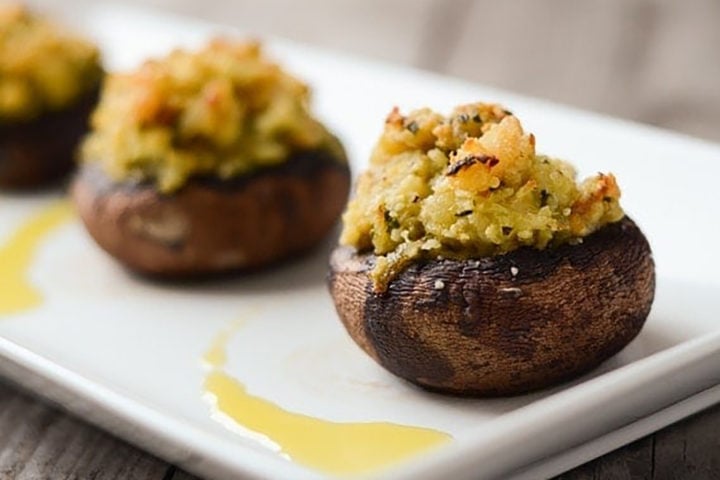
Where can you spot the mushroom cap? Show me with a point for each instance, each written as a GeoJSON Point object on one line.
{"type": "Point", "coordinates": [209, 225]}
{"type": "Point", "coordinates": [501, 325]}
{"type": "Point", "coordinates": [39, 151]}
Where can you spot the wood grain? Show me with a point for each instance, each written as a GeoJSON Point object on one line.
{"type": "Point", "coordinates": [633, 462]}
{"type": "Point", "coordinates": [687, 450]}
{"type": "Point", "coordinates": [182, 475]}
{"type": "Point", "coordinates": [691, 449]}
{"type": "Point", "coordinates": [40, 442]}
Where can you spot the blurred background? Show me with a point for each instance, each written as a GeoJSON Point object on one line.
{"type": "Point", "coordinates": [653, 61]}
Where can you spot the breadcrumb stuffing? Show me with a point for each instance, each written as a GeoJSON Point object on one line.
{"type": "Point", "coordinates": [224, 110]}
{"type": "Point", "coordinates": [43, 67]}
{"type": "Point", "coordinates": [468, 185]}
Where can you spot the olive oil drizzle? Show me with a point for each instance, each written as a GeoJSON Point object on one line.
{"type": "Point", "coordinates": [337, 448]}
{"type": "Point", "coordinates": [17, 293]}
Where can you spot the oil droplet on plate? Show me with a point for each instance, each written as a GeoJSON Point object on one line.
{"type": "Point", "coordinates": [16, 256]}
{"type": "Point", "coordinates": [331, 447]}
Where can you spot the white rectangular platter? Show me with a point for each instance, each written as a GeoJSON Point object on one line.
{"type": "Point", "coordinates": [254, 377]}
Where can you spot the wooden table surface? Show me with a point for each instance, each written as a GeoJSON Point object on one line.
{"type": "Point", "coordinates": [654, 61]}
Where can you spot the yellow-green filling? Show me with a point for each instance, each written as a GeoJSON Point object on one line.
{"type": "Point", "coordinates": [42, 67]}
{"type": "Point", "coordinates": [467, 186]}
{"type": "Point", "coordinates": [224, 111]}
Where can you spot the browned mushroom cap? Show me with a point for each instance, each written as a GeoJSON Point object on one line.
{"type": "Point", "coordinates": [42, 150]}
{"type": "Point", "coordinates": [212, 226]}
{"type": "Point", "coordinates": [501, 325]}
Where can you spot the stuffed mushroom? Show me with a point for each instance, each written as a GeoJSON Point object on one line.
{"type": "Point", "coordinates": [470, 264]}
{"type": "Point", "coordinates": [208, 161]}
{"type": "Point", "coordinates": [49, 83]}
